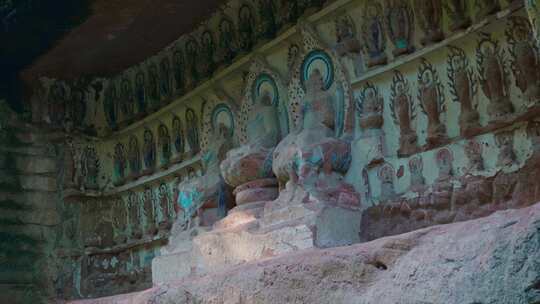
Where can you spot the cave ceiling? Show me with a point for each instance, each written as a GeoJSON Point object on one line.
{"type": "Point", "coordinates": [118, 34]}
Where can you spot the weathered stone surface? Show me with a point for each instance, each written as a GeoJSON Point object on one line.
{"type": "Point", "coordinates": [246, 164]}
{"type": "Point", "coordinates": [40, 183]}
{"type": "Point", "coordinates": [490, 260]}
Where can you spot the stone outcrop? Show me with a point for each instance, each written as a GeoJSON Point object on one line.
{"type": "Point", "coordinates": [490, 260]}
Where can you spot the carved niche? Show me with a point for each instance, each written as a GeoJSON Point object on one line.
{"type": "Point", "coordinates": [149, 152]}
{"type": "Point", "coordinates": [400, 26]}
{"type": "Point", "coordinates": [458, 12]}
{"type": "Point", "coordinates": [370, 107]}
{"type": "Point", "coordinates": [192, 124]}
{"type": "Point", "coordinates": [110, 106]}
{"type": "Point", "coordinates": [367, 187]}
{"type": "Point", "coordinates": [346, 35]}
{"type": "Point", "coordinates": [386, 176]}
{"type": "Point", "coordinates": [443, 188]}
{"type": "Point", "coordinates": [165, 206]}
{"type": "Point", "coordinates": [403, 112]}
{"type": "Point", "coordinates": [431, 97]}
{"type": "Point", "coordinates": [164, 142]}
{"type": "Point", "coordinates": [90, 168]}
{"type": "Point", "coordinates": [134, 158]}
{"type": "Point", "coordinates": [463, 89]}
{"type": "Point", "coordinates": [140, 84]}
{"type": "Point", "coordinates": [227, 40]}
{"type": "Point", "coordinates": [148, 204]}
{"type": "Point", "coordinates": [165, 77]}
{"type": "Point", "coordinates": [505, 142]}
{"type": "Point", "coordinates": [120, 163]}
{"type": "Point", "coordinates": [208, 49]}
{"type": "Point", "coordinates": [473, 151]}
{"type": "Point", "coordinates": [119, 220]}
{"type": "Point", "coordinates": [192, 56]}
{"type": "Point", "coordinates": [179, 71]}
{"type": "Point", "coordinates": [493, 77]}
{"type": "Point", "coordinates": [485, 8]}
{"type": "Point", "coordinates": [57, 104]}
{"type": "Point", "coordinates": [134, 215]}
{"type": "Point", "coordinates": [267, 20]}
{"type": "Point", "coordinates": [430, 17]}
{"type": "Point", "coordinates": [153, 87]}
{"type": "Point", "coordinates": [246, 27]}
{"type": "Point", "coordinates": [128, 102]}
{"type": "Point", "coordinates": [373, 34]}
{"type": "Point", "coordinates": [418, 182]}
{"type": "Point", "coordinates": [524, 58]}
{"type": "Point", "coordinates": [178, 139]}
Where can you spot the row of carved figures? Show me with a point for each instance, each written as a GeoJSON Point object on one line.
{"type": "Point", "coordinates": [169, 149]}
{"type": "Point", "coordinates": [444, 159]}
{"type": "Point", "coordinates": [491, 75]}
{"type": "Point", "coordinates": [141, 215]}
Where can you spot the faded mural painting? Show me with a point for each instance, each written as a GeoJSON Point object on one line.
{"type": "Point", "coordinates": [386, 116]}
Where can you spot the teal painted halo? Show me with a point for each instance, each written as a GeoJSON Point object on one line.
{"type": "Point", "coordinates": [222, 113]}
{"type": "Point", "coordinates": [318, 60]}
{"type": "Point", "coordinates": [265, 83]}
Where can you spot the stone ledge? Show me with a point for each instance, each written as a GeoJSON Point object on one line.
{"type": "Point", "coordinates": [489, 260]}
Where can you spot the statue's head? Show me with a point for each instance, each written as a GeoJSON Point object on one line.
{"type": "Point", "coordinates": [315, 80]}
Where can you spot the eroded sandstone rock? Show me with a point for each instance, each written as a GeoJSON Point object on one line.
{"type": "Point", "coordinates": [490, 260]}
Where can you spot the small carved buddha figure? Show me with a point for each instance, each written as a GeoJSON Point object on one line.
{"type": "Point", "coordinates": [319, 106]}
{"type": "Point", "coordinates": [119, 221]}
{"type": "Point", "coordinates": [347, 43]}
{"type": "Point", "coordinates": [403, 114]}
{"type": "Point", "coordinates": [367, 187]}
{"type": "Point", "coordinates": [430, 19]}
{"type": "Point", "coordinates": [444, 159]}
{"type": "Point", "coordinates": [149, 152]}
{"type": "Point", "coordinates": [493, 80]}
{"type": "Point", "coordinates": [417, 178]}
{"type": "Point", "coordinates": [457, 10]}
{"type": "Point", "coordinates": [526, 66]}
{"type": "Point", "coordinates": [164, 204]}
{"type": "Point", "coordinates": [400, 26]}
{"type": "Point", "coordinates": [371, 108]}
{"type": "Point", "coordinates": [533, 131]}
{"type": "Point", "coordinates": [134, 216]}
{"type": "Point", "coordinates": [263, 125]}
{"type": "Point", "coordinates": [505, 142]}
{"type": "Point", "coordinates": [473, 150]}
{"type": "Point", "coordinates": [461, 81]}
{"type": "Point", "coordinates": [486, 7]}
{"type": "Point", "coordinates": [373, 34]}
{"type": "Point", "coordinates": [386, 176]}
{"type": "Point", "coordinates": [443, 188]}
{"type": "Point", "coordinates": [431, 103]}
{"type": "Point", "coordinates": [149, 211]}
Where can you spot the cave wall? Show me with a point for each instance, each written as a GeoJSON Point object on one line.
{"type": "Point", "coordinates": [464, 79]}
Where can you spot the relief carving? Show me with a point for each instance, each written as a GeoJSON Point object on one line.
{"type": "Point", "coordinates": [400, 26]}
{"type": "Point", "coordinates": [373, 34]}
{"type": "Point", "coordinates": [458, 13]}
{"type": "Point", "coordinates": [463, 89]}
{"type": "Point", "coordinates": [524, 58]}
{"type": "Point", "coordinates": [431, 97]}
{"type": "Point", "coordinates": [493, 77]}
{"type": "Point", "coordinates": [403, 113]}
{"type": "Point", "coordinates": [505, 142]}
{"type": "Point", "coordinates": [430, 15]}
